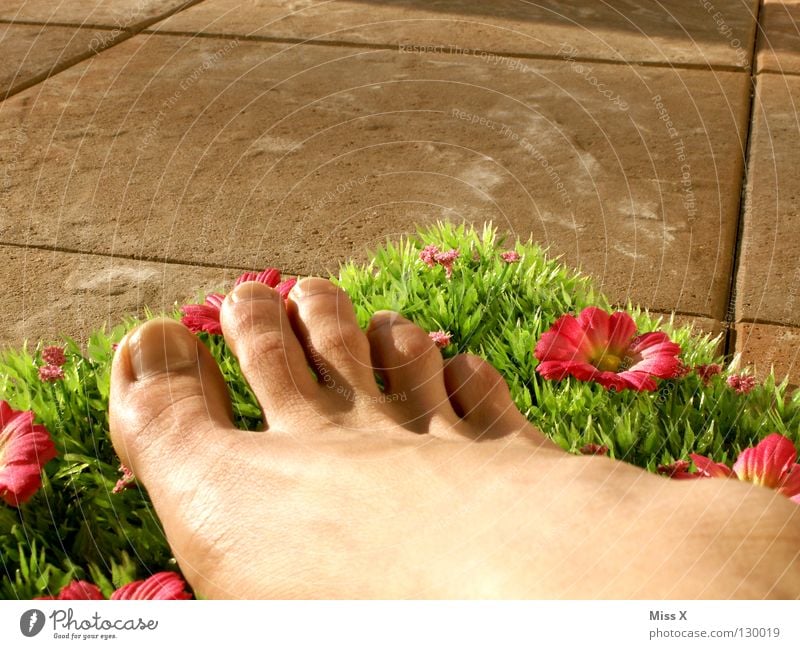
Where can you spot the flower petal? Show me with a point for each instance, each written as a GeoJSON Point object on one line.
{"type": "Point", "coordinates": [768, 463]}
{"type": "Point", "coordinates": [162, 585]}
{"type": "Point", "coordinates": [622, 329]}
{"type": "Point", "coordinates": [707, 468]}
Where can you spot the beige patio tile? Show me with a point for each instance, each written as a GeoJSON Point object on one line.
{"type": "Point", "coordinates": [779, 37]}
{"type": "Point", "coordinates": [719, 33]}
{"type": "Point", "coordinates": [764, 347]}
{"type": "Point", "coordinates": [246, 154]}
{"type": "Point", "coordinates": [46, 294]}
{"type": "Point", "coordinates": [30, 53]}
{"type": "Point", "coordinates": [122, 14]}
{"type": "Point", "coordinates": [768, 279]}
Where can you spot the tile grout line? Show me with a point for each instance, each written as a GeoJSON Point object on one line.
{"type": "Point", "coordinates": [200, 264]}
{"type": "Point", "coordinates": [396, 46]}
{"type": "Point", "coordinates": [709, 67]}
{"type": "Point", "coordinates": [143, 258]}
{"type": "Point", "coordinates": [729, 322]}
{"type": "Point", "coordinates": [123, 35]}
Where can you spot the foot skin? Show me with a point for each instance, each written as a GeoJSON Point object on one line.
{"type": "Point", "coordinates": [434, 487]}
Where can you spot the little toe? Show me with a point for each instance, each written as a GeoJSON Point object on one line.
{"type": "Point", "coordinates": [411, 367]}
{"type": "Point", "coordinates": [480, 396]}
{"type": "Point", "coordinates": [325, 321]}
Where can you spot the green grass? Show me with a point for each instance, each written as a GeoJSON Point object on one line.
{"type": "Point", "coordinates": [75, 527]}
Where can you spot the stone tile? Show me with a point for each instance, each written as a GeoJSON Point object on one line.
{"type": "Point", "coordinates": [766, 346]}
{"type": "Point", "coordinates": [768, 279]}
{"type": "Point", "coordinates": [122, 14]}
{"type": "Point", "coordinates": [244, 154]}
{"type": "Point", "coordinates": [29, 53]}
{"type": "Point", "coordinates": [621, 30]}
{"type": "Point", "coordinates": [779, 37]}
{"type": "Point", "coordinates": [46, 293]}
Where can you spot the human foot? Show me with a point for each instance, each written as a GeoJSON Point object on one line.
{"type": "Point", "coordinates": [435, 487]}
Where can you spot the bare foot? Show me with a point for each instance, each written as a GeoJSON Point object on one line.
{"type": "Point", "coordinates": [435, 487]}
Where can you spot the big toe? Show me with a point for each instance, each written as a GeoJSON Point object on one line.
{"type": "Point", "coordinates": [169, 408]}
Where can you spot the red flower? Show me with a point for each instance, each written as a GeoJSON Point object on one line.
{"type": "Point", "coordinates": [678, 469]}
{"type": "Point", "coordinates": [78, 590]}
{"type": "Point", "coordinates": [162, 585]}
{"type": "Point", "coordinates": [54, 355]}
{"type": "Point", "coordinates": [25, 448]}
{"type": "Point", "coordinates": [705, 372]}
{"type": "Point", "coordinates": [205, 317]}
{"type": "Point", "coordinates": [51, 373]}
{"type": "Point", "coordinates": [741, 383]}
{"type": "Point", "coordinates": [600, 347]}
{"type": "Point", "coordinates": [440, 338]}
{"type": "Point", "coordinates": [594, 449]}
{"type": "Point", "coordinates": [771, 463]}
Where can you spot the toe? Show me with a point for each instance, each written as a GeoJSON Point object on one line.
{"type": "Point", "coordinates": [336, 347]}
{"type": "Point", "coordinates": [257, 329]}
{"type": "Point", "coordinates": [480, 396]}
{"type": "Point", "coordinates": [411, 367]}
{"type": "Point", "coordinates": [169, 408]}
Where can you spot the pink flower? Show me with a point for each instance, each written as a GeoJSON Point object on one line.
{"type": "Point", "coordinates": [51, 373]}
{"type": "Point", "coordinates": [771, 463]}
{"type": "Point", "coordinates": [594, 449]}
{"type": "Point", "coordinates": [431, 255]}
{"type": "Point", "coordinates": [205, 317]}
{"type": "Point", "coordinates": [125, 481]}
{"type": "Point", "coordinates": [162, 585]}
{"type": "Point", "coordinates": [25, 448]}
{"type": "Point", "coordinates": [428, 255]}
{"type": "Point", "coordinates": [705, 372]}
{"type": "Point", "coordinates": [54, 355]}
{"type": "Point", "coordinates": [741, 383]}
{"type": "Point", "coordinates": [604, 348]}
{"type": "Point", "coordinates": [440, 338]}
{"type": "Point", "coordinates": [511, 256]}
{"type": "Point", "coordinates": [78, 590]}
{"type": "Point", "coordinates": [447, 259]}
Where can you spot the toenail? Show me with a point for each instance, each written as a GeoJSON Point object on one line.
{"type": "Point", "coordinates": [313, 286]}
{"type": "Point", "coordinates": [161, 346]}
{"type": "Point", "coordinates": [384, 319]}
{"type": "Point", "coordinates": [253, 291]}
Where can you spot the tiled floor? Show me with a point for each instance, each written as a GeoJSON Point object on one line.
{"type": "Point", "coordinates": [162, 145]}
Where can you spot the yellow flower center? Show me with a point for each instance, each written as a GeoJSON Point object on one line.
{"type": "Point", "coordinates": [607, 361]}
